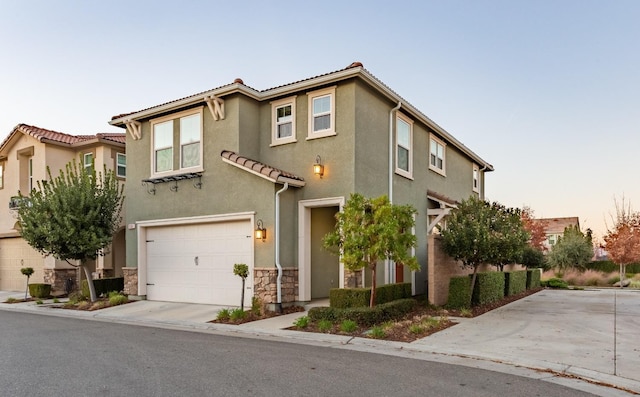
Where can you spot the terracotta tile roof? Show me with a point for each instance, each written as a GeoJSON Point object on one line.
{"type": "Point", "coordinates": [557, 225]}
{"type": "Point", "coordinates": [44, 135]}
{"type": "Point", "coordinates": [267, 171]}
{"type": "Point", "coordinates": [442, 197]}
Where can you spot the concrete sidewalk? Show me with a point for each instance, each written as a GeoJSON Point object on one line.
{"type": "Point", "coordinates": [554, 335]}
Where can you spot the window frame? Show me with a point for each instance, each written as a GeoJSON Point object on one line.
{"type": "Point", "coordinates": [91, 162]}
{"type": "Point", "coordinates": [433, 167]}
{"type": "Point", "coordinates": [176, 142]}
{"type": "Point", "coordinates": [475, 178]}
{"type": "Point", "coordinates": [400, 117]}
{"type": "Point", "coordinates": [30, 162]}
{"type": "Point", "coordinates": [275, 105]}
{"type": "Point", "coordinates": [1, 174]}
{"type": "Point", "coordinates": [331, 131]}
{"type": "Point", "coordinates": [118, 165]}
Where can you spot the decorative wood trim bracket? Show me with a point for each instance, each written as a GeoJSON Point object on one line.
{"type": "Point", "coordinates": [134, 128]}
{"type": "Point", "coordinates": [216, 107]}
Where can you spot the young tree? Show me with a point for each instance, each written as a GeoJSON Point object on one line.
{"type": "Point", "coordinates": [573, 249]}
{"type": "Point", "coordinates": [535, 229]}
{"type": "Point", "coordinates": [241, 270]}
{"type": "Point", "coordinates": [369, 230]}
{"type": "Point", "coordinates": [72, 216]}
{"type": "Point", "coordinates": [623, 239]}
{"type": "Point", "coordinates": [467, 237]}
{"type": "Point", "coordinates": [507, 235]}
{"type": "Point", "coordinates": [27, 271]}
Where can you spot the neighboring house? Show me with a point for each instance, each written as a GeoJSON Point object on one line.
{"type": "Point", "coordinates": [216, 169]}
{"type": "Point", "coordinates": [25, 155]}
{"type": "Point", "coordinates": [554, 228]}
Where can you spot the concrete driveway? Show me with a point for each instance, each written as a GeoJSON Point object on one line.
{"type": "Point", "coordinates": [585, 332]}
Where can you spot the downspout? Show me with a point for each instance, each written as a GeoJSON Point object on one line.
{"type": "Point", "coordinates": [388, 263]}
{"type": "Point", "coordinates": [277, 242]}
{"type": "Point", "coordinates": [481, 176]}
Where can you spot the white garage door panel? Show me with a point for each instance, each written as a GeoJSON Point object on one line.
{"type": "Point", "coordinates": [194, 263]}
{"type": "Point", "coordinates": [15, 254]}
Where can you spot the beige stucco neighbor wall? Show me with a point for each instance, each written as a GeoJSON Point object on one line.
{"type": "Point", "coordinates": [442, 267]}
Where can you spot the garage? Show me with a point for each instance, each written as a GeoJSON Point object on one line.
{"type": "Point", "coordinates": [15, 254]}
{"type": "Point", "coordinates": [194, 262]}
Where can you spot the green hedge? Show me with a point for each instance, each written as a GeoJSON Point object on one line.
{"type": "Point", "coordinates": [459, 289]}
{"type": "Point", "coordinates": [364, 316]}
{"type": "Point", "coordinates": [515, 282]}
{"type": "Point", "coordinates": [489, 288]}
{"type": "Point", "coordinates": [40, 290]}
{"type": "Point", "coordinates": [360, 297]}
{"type": "Point", "coordinates": [609, 267]}
{"type": "Point", "coordinates": [104, 285]}
{"type": "Point", "coordinates": [533, 278]}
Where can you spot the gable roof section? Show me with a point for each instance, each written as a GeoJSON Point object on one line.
{"type": "Point", "coordinates": [557, 225]}
{"type": "Point", "coordinates": [262, 170]}
{"type": "Point", "coordinates": [60, 138]}
{"type": "Point", "coordinates": [355, 70]}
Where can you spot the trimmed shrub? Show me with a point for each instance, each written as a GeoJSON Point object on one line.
{"type": "Point", "coordinates": [104, 285]}
{"type": "Point", "coordinates": [365, 316]}
{"type": "Point", "coordinates": [533, 278]}
{"type": "Point", "coordinates": [610, 267]}
{"type": "Point", "coordinates": [39, 290]}
{"type": "Point", "coordinates": [557, 283]}
{"type": "Point", "coordinates": [515, 282]}
{"type": "Point", "coordinates": [459, 292]}
{"type": "Point", "coordinates": [489, 288]}
{"type": "Point", "coordinates": [360, 297]}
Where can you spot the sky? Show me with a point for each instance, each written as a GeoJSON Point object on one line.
{"type": "Point", "coordinates": [546, 91]}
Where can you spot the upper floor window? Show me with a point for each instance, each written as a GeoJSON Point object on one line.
{"type": "Point", "coordinates": [404, 146]}
{"type": "Point", "coordinates": [1, 176]}
{"type": "Point", "coordinates": [182, 130]}
{"type": "Point", "coordinates": [476, 179]}
{"type": "Point", "coordinates": [121, 165]}
{"type": "Point", "coordinates": [283, 126]}
{"type": "Point", "coordinates": [322, 113]}
{"type": "Point", "coordinates": [31, 184]}
{"type": "Point", "coordinates": [88, 162]}
{"type": "Point", "coordinates": [437, 156]}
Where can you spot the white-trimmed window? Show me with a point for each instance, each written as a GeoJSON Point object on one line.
{"type": "Point", "coordinates": [1, 175]}
{"type": "Point", "coordinates": [30, 174]}
{"type": "Point", "coordinates": [437, 155]}
{"type": "Point", "coordinates": [322, 113]}
{"type": "Point", "coordinates": [476, 179]}
{"type": "Point", "coordinates": [121, 165]}
{"type": "Point", "coordinates": [87, 162]}
{"type": "Point", "coordinates": [183, 129]}
{"type": "Point", "coordinates": [404, 146]}
{"type": "Point", "coordinates": [283, 125]}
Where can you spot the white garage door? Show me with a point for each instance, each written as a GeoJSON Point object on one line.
{"type": "Point", "coordinates": [15, 254]}
{"type": "Point", "coordinates": [194, 263]}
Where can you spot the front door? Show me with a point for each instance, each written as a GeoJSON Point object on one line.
{"type": "Point", "coordinates": [325, 266]}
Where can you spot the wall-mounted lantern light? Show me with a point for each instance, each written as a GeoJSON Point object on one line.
{"type": "Point", "coordinates": [318, 168]}
{"type": "Point", "coordinates": [261, 232]}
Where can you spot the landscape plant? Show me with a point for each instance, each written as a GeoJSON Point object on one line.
{"type": "Point", "coordinates": [241, 270]}
{"type": "Point", "coordinates": [623, 238]}
{"type": "Point", "coordinates": [348, 326]}
{"type": "Point", "coordinates": [574, 249]}
{"type": "Point", "coordinates": [27, 271]}
{"type": "Point", "coordinates": [369, 230]}
{"type": "Point", "coordinates": [73, 216]}
{"type": "Point", "coordinates": [301, 322]}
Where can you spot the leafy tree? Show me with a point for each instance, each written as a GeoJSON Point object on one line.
{"type": "Point", "coordinates": [507, 235]}
{"type": "Point", "coordinates": [368, 230]}
{"type": "Point", "coordinates": [623, 239]}
{"type": "Point", "coordinates": [27, 271]}
{"type": "Point", "coordinates": [241, 270]}
{"type": "Point", "coordinates": [533, 258]}
{"type": "Point", "coordinates": [535, 229]}
{"type": "Point", "coordinates": [72, 216]}
{"type": "Point", "coordinates": [573, 249]}
{"type": "Point", "coordinates": [467, 237]}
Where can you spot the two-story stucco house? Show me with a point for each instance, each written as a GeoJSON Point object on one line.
{"type": "Point", "coordinates": [25, 155]}
{"type": "Point", "coordinates": [237, 175]}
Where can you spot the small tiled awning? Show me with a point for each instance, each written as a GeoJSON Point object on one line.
{"type": "Point", "coordinates": [443, 200]}
{"type": "Point", "coordinates": [262, 170]}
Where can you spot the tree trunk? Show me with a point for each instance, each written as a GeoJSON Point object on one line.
{"type": "Point", "coordinates": [27, 289]}
{"type": "Point", "coordinates": [242, 296]}
{"type": "Point", "coordinates": [92, 288]}
{"type": "Point", "coordinates": [473, 283]}
{"type": "Point", "coordinates": [622, 274]}
{"type": "Point", "coordinates": [372, 301]}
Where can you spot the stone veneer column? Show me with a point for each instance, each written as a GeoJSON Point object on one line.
{"type": "Point", "coordinates": [58, 277]}
{"type": "Point", "coordinates": [265, 284]}
{"type": "Point", "coordinates": [352, 279]}
{"type": "Point", "coordinates": [130, 280]}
